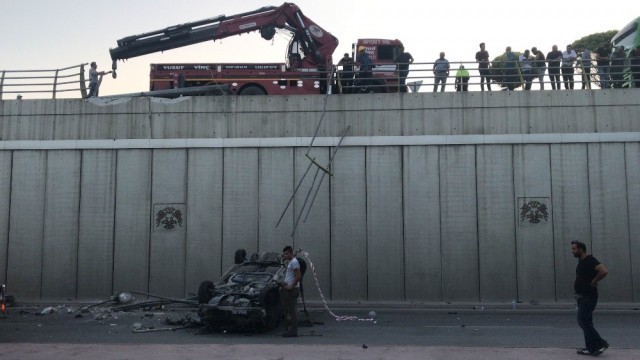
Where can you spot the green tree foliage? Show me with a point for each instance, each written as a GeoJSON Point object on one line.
{"type": "Point", "coordinates": [498, 70]}
{"type": "Point", "coordinates": [594, 41]}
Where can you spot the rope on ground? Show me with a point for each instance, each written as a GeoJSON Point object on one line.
{"type": "Point", "coordinates": [324, 302]}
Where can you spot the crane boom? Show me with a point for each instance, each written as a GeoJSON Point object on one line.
{"type": "Point", "coordinates": [317, 44]}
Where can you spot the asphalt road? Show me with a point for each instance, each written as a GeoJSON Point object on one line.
{"type": "Point", "coordinates": [397, 333]}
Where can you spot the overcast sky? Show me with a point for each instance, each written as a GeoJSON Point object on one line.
{"type": "Point", "coordinates": [50, 34]}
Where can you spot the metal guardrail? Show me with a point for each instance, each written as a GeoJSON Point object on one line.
{"type": "Point", "coordinates": [420, 76]}
{"type": "Point", "coordinates": [43, 81]}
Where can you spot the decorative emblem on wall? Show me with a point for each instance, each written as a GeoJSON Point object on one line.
{"type": "Point", "coordinates": [534, 212]}
{"type": "Point", "coordinates": [168, 217]}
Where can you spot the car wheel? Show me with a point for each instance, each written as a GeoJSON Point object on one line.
{"type": "Point", "coordinates": [270, 300]}
{"type": "Point", "coordinates": [205, 292]}
{"type": "Point", "coordinates": [253, 90]}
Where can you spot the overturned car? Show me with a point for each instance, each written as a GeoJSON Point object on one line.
{"type": "Point", "coordinates": [247, 297]}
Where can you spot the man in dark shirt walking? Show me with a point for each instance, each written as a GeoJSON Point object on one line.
{"type": "Point", "coordinates": [589, 272]}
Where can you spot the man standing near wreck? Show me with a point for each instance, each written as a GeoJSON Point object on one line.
{"type": "Point", "coordinates": [588, 274]}
{"type": "Point", "coordinates": [291, 292]}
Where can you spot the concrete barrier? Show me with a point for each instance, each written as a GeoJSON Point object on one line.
{"type": "Point", "coordinates": [433, 197]}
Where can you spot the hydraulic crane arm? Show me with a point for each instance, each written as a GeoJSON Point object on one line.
{"type": "Point", "coordinates": [319, 43]}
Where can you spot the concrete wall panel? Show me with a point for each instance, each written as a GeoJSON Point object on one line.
{"type": "Point", "coordinates": [570, 188]}
{"type": "Point", "coordinates": [204, 223]}
{"type": "Point", "coordinates": [168, 241]}
{"type": "Point", "coordinates": [190, 105]}
{"type": "Point", "coordinates": [460, 278]}
{"type": "Point", "coordinates": [190, 125]}
{"type": "Point", "coordinates": [421, 185]}
{"type": "Point", "coordinates": [385, 243]}
{"type": "Point", "coordinates": [286, 116]}
{"type": "Point", "coordinates": [27, 128]}
{"type": "Point", "coordinates": [102, 118]}
{"type": "Point", "coordinates": [496, 228]}
{"type": "Point", "coordinates": [23, 120]}
{"type": "Point", "coordinates": [240, 203]}
{"type": "Point", "coordinates": [60, 242]}
{"type": "Point", "coordinates": [276, 187]}
{"type": "Point", "coordinates": [338, 235]}
{"type": "Point", "coordinates": [609, 219]}
{"type": "Point", "coordinates": [532, 183]}
{"type": "Point", "coordinates": [95, 239]}
{"type": "Point", "coordinates": [5, 206]}
{"type": "Point", "coordinates": [132, 229]}
{"type": "Point", "coordinates": [349, 225]}
{"type": "Point", "coordinates": [314, 234]}
{"type": "Point", "coordinates": [632, 152]}
{"type": "Point", "coordinates": [26, 222]}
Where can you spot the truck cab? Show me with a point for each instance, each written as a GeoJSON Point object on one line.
{"type": "Point", "coordinates": [384, 55]}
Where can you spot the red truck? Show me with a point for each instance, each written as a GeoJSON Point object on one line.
{"type": "Point", "coordinates": [308, 69]}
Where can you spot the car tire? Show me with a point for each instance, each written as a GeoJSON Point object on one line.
{"type": "Point", "coordinates": [272, 303]}
{"type": "Point", "coordinates": [205, 292]}
{"type": "Point", "coordinates": [253, 90]}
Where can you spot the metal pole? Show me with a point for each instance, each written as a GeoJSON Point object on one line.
{"type": "Point", "coordinates": [2, 83]}
{"type": "Point", "coordinates": [294, 193]}
{"type": "Point", "coordinates": [295, 225]}
{"type": "Point", "coordinates": [55, 83]}
{"type": "Point", "coordinates": [324, 173]}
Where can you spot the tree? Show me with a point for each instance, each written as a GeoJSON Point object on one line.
{"type": "Point", "coordinates": [594, 41]}
{"type": "Point", "coordinates": [498, 74]}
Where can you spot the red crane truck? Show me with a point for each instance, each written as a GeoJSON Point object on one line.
{"type": "Point", "coordinates": [309, 67]}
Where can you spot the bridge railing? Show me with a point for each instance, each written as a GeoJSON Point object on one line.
{"type": "Point", "coordinates": [421, 77]}
{"type": "Point", "coordinates": [53, 82]}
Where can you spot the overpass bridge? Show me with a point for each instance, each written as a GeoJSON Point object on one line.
{"type": "Point", "coordinates": [433, 196]}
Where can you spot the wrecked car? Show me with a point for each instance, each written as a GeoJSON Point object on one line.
{"type": "Point", "coordinates": [247, 297]}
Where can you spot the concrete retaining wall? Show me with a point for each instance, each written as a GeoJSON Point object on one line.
{"type": "Point", "coordinates": [428, 199]}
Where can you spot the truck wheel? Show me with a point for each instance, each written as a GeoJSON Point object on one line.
{"type": "Point", "coordinates": [253, 90]}
{"type": "Point", "coordinates": [205, 292]}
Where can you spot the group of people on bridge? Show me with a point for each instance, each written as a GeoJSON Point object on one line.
{"type": "Point", "coordinates": [512, 70]}
{"type": "Point", "coordinates": [523, 69]}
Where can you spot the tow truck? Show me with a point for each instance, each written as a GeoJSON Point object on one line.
{"type": "Point", "coordinates": [308, 69]}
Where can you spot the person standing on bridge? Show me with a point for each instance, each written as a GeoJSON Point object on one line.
{"type": "Point", "coordinates": [553, 58]}
{"type": "Point", "coordinates": [568, 58]}
{"type": "Point", "coordinates": [589, 272]}
{"type": "Point", "coordinates": [95, 78]}
{"type": "Point", "coordinates": [441, 72]}
{"type": "Point", "coordinates": [482, 58]}
{"type": "Point", "coordinates": [346, 75]}
{"type": "Point", "coordinates": [404, 59]}
{"type": "Point", "coordinates": [539, 66]}
{"type": "Point", "coordinates": [365, 74]}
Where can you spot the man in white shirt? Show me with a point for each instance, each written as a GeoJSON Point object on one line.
{"type": "Point", "coordinates": [291, 292]}
{"type": "Point", "coordinates": [569, 56]}
{"type": "Point", "coordinates": [94, 79]}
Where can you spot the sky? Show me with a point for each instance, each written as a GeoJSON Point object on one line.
{"type": "Point", "coordinates": [54, 34]}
